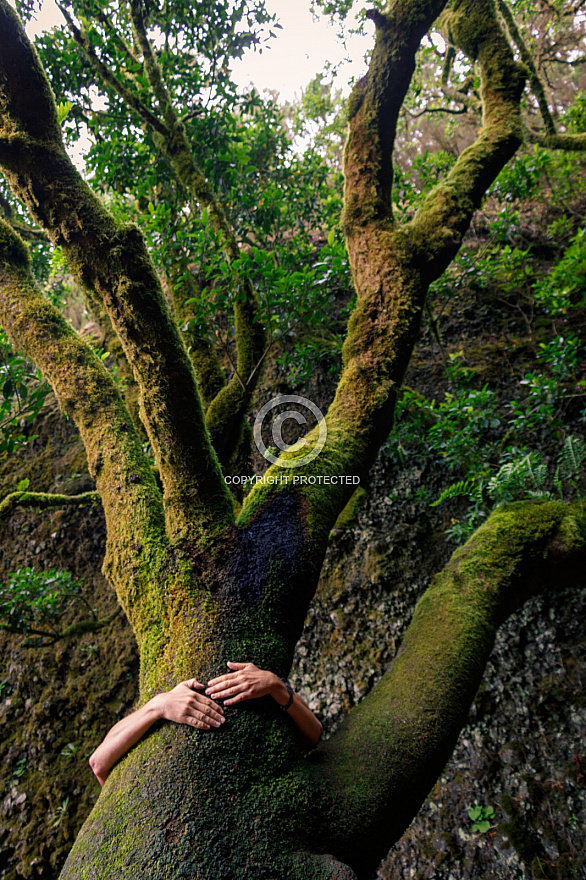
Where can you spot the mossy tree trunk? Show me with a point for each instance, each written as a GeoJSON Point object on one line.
{"type": "Point", "coordinates": [201, 586]}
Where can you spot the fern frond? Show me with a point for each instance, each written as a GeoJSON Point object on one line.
{"type": "Point", "coordinates": [514, 477]}
{"type": "Point", "coordinates": [571, 460]}
{"type": "Point", "coordinates": [463, 488]}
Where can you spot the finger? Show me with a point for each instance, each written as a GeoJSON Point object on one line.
{"type": "Point", "coordinates": [213, 712]}
{"type": "Point", "coordinates": [203, 704]}
{"type": "Point", "coordinates": [236, 665]}
{"type": "Point", "coordinates": [239, 698]}
{"type": "Point", "coordinates": [201, 719]}
{"type": "Point", "coordinates": [225, 691]}
{"type": "Point", "coordinates": [193, 683]}
{"type": "Point", "coordinates": [220, 684]}
{"type": "Point", "coordinates": [228, 676]}
{"type": "Point", "coordinates": [197, 722]}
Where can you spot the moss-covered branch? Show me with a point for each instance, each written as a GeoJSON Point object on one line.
{"type": "Point", "coordinates": [392, 265]}
{"type": "Point", "coordinates": [471, 102]}
{"type": "Point", "coordinates": [527, 59]}
{"type": "Point", "coordinates": [85, 391]}
{"type": "Point", "coordinates": [44, 501]}
{"type": "Point", "coordinates": [390, 750]}
{"type": "Point", "coordinates": [47, 637]}
{"type": "Point", "coordinates": [204, 355]}
{"type": "Point", "coordinates": [226, 411]}
{"type": "Point", "coordinates": [112, 260]}
{"type": "Point", "coordinates": [559, 141]}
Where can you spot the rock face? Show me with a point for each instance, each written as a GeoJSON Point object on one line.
{"type": "Point", "coordinates": [522, 753]}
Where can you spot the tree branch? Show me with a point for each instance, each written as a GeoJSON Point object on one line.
{"type": "Point", "coordinates": [112, 259]}
{"type": "Point", "coordinates": [109, 78]}
{"type": "Point", "coordinates": [393, 266]}
{"type": "Point", "coordinates": [534, 79]}
{"type": "Point", "coordinates": [469, 101]}
{"type": "Point", "coordinates": [226, 412]}
{"type": "Point", "coordinates": [86, 391]}
{"type": "Point", "coordinates": [204, 355]}
{"type": "Point", "coordinates": [27, 232]}
{"type": "Point", "coordinates": [382, 762]}
{"type": "Point", "coordinates": [560, 141]}
{"type": "Point", "coordinates": [90, 624]}
{"type": "Point", "coordinates": [44, 501]}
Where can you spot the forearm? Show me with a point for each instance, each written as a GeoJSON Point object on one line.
{"type": "Point", "coordinates": [308, 726]}
{"type": "Point", "coordinates": [123, 736]}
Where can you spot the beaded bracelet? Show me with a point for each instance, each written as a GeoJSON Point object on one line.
{"type": "Point", "coordinates": [290, 692]}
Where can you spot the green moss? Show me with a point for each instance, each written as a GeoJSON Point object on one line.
{"type": "Point", "coordinates": [13, 250]}
{"type": "Point", "coordinates": [349, 514]}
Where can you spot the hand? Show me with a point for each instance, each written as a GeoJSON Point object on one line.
{"type": "Point", "coordinates": [185, 706]}
{"type": "Point", "coordinates": [246, 682]}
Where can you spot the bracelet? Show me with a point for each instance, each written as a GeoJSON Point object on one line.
{"type": "Point", "coordinates": [289, 691]}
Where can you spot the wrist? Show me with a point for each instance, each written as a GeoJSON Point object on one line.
{"type": "Point", "coordinates": [155, 708]}
{"type": "Point", "coordinates": [285, 694]}
{"type": "Point", "coordinates": [279, 691]}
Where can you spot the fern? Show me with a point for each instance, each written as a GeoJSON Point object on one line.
{"type": "Point", "coordinates": [570, 462]}
{"type": "Point", "coordinates": [468, 488]}
{"type": "Point", "coordinates": [519, 478]}
{"type": "Point", "coordinates": [569, 469]}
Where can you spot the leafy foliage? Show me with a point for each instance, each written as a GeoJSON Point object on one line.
{"type": "Point", "coordinates": [22, 395]}
{"type": "Point", "coordinates": [481, 818]}
{"type": "Point", "coordinates": [32, 602]}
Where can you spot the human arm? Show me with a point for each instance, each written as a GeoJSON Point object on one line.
{"type": "Point", "coordinates": [182, 704]}
{"type": "Point", "coordinates": [248, 682]}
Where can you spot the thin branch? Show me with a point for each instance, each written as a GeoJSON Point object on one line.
{"type": "Point", "coordinates": [536, 84]}
{"type": "Point", "coordinates": [108, 77]}
{"type": "Point", "coordinates": [447, 65]}
{"type": "Point", "coordinates": [45, 501]}
{"type": "Point", "coordinates": [93, 624]}
{"type": "Point", "coordinates": [438, 110]}
{"type": "Point", "coordinates": [226, 351]}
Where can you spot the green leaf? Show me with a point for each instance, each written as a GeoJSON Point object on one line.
{"type": "Point", "coordinates": [332, 237]}
{"type": "Point", "coordinates": [63, 111]}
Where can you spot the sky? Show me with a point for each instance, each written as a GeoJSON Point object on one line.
{"type": "Point", "coordinates": [290, 61]}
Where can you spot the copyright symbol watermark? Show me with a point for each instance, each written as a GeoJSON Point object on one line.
{"type": "Point", "coordinates": [277, 430]}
